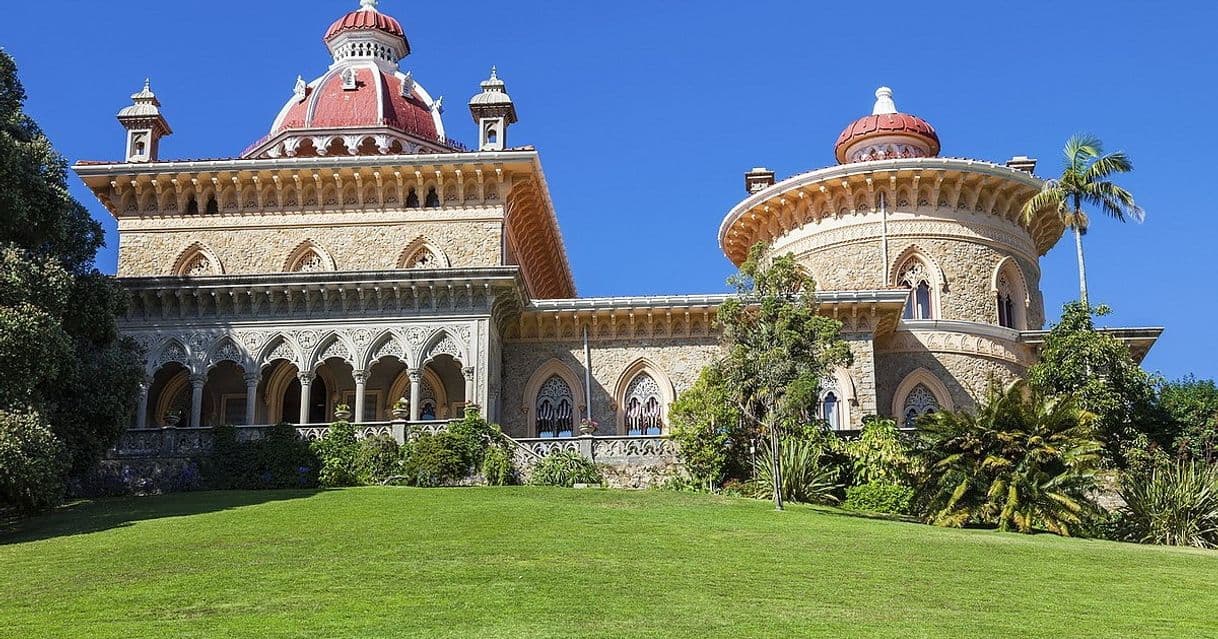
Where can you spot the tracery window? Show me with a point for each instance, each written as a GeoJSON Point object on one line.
{"type": "Point", "coordinates": [423, 258]}
{"type": "Point", "coordinates": [1006, 303]}
{"type": "Point", "coordinates": [916, 277]}
{"type": "Point", "coordinates": [555, 408]}
{"type": "Point", "coordinates": [311, 261]}
{"type": "Point", "coordinates": [920, 401]}
{"type": "Point", "coordinates": [427, 401]}
{"type": "Point", "coordinates": [198, 265]}
{"type": "Point", "coordinates": [643, 406]}
{"type": "Point", "coordinates": [829, 410]}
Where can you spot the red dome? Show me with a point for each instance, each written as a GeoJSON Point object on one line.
{"type": "Point", "coordinates": [884, 124]}
{"type": "Point", "coordinates": [366, 20]}
{"type": "Point", "coordinates": [376, 101]}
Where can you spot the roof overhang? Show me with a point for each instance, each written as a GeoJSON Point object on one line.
{"type": "Point", "coordinates": [1138, 339]}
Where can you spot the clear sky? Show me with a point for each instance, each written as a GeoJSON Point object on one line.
{"type": "Point", "coordinates": [647, 113]}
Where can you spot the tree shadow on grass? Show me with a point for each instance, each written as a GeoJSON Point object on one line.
{"type": "Point", "coordinates": [89, 516]}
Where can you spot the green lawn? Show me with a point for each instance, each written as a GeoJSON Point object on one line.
{"type": "Point", "coordinates": [535, 562]}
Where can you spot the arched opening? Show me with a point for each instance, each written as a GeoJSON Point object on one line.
{"type": "Point", "coordinates": [169, 396]}
{"type": "Point", "coordinates": [212, 206]}
{"type": "Point", "coordinates": [920, 401]}
{"type": "Point", "coordinates": [450, 395]}
{"type": "Point", "coordinates": [829, 411]}
{"type": "Point", "coordinates": [224, 395]}
{"type": "Point", "coordinates": [644, 406]}
{"type": "Point", "coordinates": [433, 200]}
{"type": "Point", "coordinates": [916, 277]}
{"type": "Point", "coordinates": [412, 199]}
{"type": "Point", "coordinates": [1010, 295]}
{"type": "Point", "coordinates": [555, 408]}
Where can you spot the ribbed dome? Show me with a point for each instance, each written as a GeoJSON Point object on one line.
{"type": "Point", "coordinates": [377, 100]}
{"type": "Point", "coordinates": [895, 135]}
{"type": "Point", "coordinates": [366, 18]}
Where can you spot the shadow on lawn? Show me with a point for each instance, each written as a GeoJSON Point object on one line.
{"type": "Point", "coordinates": [103, 514]}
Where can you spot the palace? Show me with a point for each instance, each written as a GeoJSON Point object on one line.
{"type": "Point", "coordinates": [357, 255]}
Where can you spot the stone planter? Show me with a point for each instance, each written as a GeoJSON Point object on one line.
{"type": "Point", "coordinates": [587, 429]}
{"type": "Point", "coordinates": [342, 415]}
{"type": "Point", "coordinates": [172, 419]}
{"type": "Point", "coordinates": [400, 413]}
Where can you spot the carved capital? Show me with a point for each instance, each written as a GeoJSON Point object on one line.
{"type": "Point", "coordinates": [415, 375]}
{"type": "Point", "coordinates": [306, 377]}
{"type": "Point", "coordinates": [468, 371]}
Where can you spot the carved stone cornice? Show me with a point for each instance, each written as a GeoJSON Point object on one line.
{"type": "Point", "coordinates": [683, 316]}
{"type": "Point", "coordinates": [957, 337]}
{"type": "Point", "coordinates": [917, 185]}
{"type": "Point", "coordinates": [323, 294]}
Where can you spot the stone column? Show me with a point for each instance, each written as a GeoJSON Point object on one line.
{"type": "Point", "coordinates": [416, 383]}
{"type": "Point", "coordinates": [306, 382]}
{"type": "Point", "coordinates": [196, 399]}
{"type": "Point", "coordinates": [141, 411]}
{"type": "Point", "coordinates": [251, 398]}
{"type": "Point", "coordinates": [470, 390]}
{"type": "Point", "coordinates": [361, 379]}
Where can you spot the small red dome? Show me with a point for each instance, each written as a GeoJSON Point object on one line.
{"type": "Point", "coordinates": [365, 20]}
{"type": "Point", "coordinates": [884, 124]}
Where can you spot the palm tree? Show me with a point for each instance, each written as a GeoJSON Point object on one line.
{"type": "Point", "coordinates": [1020, 462]}
{"type": "Point", "coordinates": [1084, 181]}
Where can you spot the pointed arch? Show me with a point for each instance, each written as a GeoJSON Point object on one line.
{"type": "Point", "coordinates": [914, 270]}
{"type": "Point", "coordinates": [625, 389]}
{"type": "Point", "coordinates": [443, 342]}
{"type": "Point", "coordinates": [553, 367]}
{"type": "Point", "coordinates": [919, 378]}
{"type": "Point", "coordinates": [226, 349]}
{"type": "Point", "coordinates": [197, 260]}
{"type": "Point", "coordinates": [1011, 294]}
{"type": "Point", "coordinates": [280, 347]}
{"type": "Point", "coordinates": [333, 345]}
{"type": "Point", "coordinates": [148, 202]}
{"type": "Point", "coordinates": [838, 389]}
{"type": "Point", "coordinates": [170, 350]}
{"type": "Point", "coordinates": [422, 253]}
{"type": "Point", "coordinates": [308, 256]}
{"type": "Point", "coordinates": [386, 344]}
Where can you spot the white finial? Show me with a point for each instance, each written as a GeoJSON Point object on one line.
{"type": "Point", "coordinates": [883, 102]}
{"type": "Point", "coordinates": [494, 73]}
{"type": "Point", "coordinates": [147, 84]}
{"type": "Point", "coordinates": [367, 5]}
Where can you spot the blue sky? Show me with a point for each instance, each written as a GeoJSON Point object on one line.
{"type": "Point", "coordinates": [646, 114]}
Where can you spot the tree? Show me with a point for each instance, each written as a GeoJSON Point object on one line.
{"type": "Point", "coordinates": [707, 426]}
{"type": "Point", "coordinates": [62, 363]}
{"type": "Point", "coordinates": [1098, 370]}
{"type": "Point", "coordinates": [1084, 181]}
{"type": "Point", "coordinates": [778, 347]}
{"type": "Point", "coordinates": [1190, 406]}
{"type": "Point", "coordinates": [1020, 462]}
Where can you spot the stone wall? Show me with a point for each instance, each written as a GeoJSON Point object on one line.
{"type": "Point", "coordinates": [965, 376]}
{"type": "Point", "coordinates": [862, 374]}
{"type": "Point", "coordinates": [679, 359]}
{"type": "Point", "coordinates": [966, 249]}
{"type": "Point", "coordinates": [372, 240]}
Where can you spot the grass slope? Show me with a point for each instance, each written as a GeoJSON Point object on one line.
{"type": "Point", "coordinates": [535, 562]}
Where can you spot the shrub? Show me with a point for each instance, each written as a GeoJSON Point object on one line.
{"type": "Point", "coordinates": [807, 477]}
{"type": "Point", "coordinates": [880, 454]}
{"type": "Point", "coordinates": [279, 459]}
{"type": "Point", "coordinates": [707, 427]}
{"type": "Point", "coordinates": [376, 459]}
{"type": "Point", "coordinates": [436, 460]}
{"type": "Point", "coordinates": [879, 497]}
{"type": "Point", "coordinates": [565, 468]}
{"type": "Point", "coordinates": [32, 462]}
{"type": "Point", "coordinates": [473, 434]}
{"type": "Point", "coordinates": [497, 467]}
{"type": "Point", "coordinates": [337, 452]}
{"type": "Point", "coordinates": [1175, 505]}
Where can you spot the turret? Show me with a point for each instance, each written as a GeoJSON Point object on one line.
{"type": "Point", "coordinates": [494, 112]}
{"type": "Point", "coordinates": [145, 126]}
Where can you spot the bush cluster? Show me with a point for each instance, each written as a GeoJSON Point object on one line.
{"type": "Point", "coordinates": [565, 468]}
{"type": "Point", "coordinates": [879, 497]}
{"type": "Point", "coordinates": [278, 460]}
{"type": "Point", "coordinates": [32, 462]}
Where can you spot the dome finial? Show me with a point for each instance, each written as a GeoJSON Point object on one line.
{"type": "Point", "coordinates": [883, 102]}
{"type": "Point", "coordinates": [367, 5]}
{"type": "Point", "coordinates": [494, 72]}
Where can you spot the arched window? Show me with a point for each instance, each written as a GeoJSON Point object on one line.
{"type": "Point", "coordinates": [192, 206]}
{"type": "Point", "coordinates": [432, 200]}
{"type": "Point", "coordinates": [427, 401]}
{"type": "Point", "coordinates": [643, 406]}
{"type": "Point", "coordinates": [412, 199]}
{"type": "Point", "coordinates": [1006, 303]}
{"type": "Point", "coordinates": [554, 408]}
{"type": "Point", "coordinates": [916, 277]}
{"type": "Point", "coordinates": [212, 206]}
{"type": "Point", "coordinates": [422, 258]}
{"type": "Point", "coordinates": [829, 411]}
{"type": "Point", "coordinates": [308, 262]}
{"type": "Point", "coordinates": [491, 135]}
{"type": "Point", "coordinates": [920, 401]}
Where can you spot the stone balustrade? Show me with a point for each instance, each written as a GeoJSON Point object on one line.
{"type": "Point", "coordinates": [188, 442]}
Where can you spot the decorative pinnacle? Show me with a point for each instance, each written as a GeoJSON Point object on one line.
{"type": "Point", "coordinates": [367, 5]}
{"type": "Point", "coordinates": [494, 72]}
{"type": "Point", "coordinates": [883, 102]}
